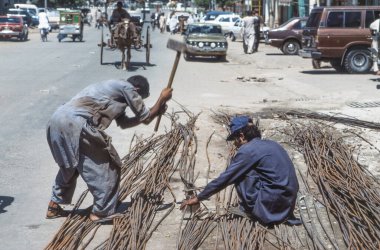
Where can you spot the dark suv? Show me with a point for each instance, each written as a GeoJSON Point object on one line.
{"type": "Point", "coordinates": [340, 35]}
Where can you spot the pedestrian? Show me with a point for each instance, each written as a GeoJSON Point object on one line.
{"type": "Point", "coordinates": [80, 146]}
{"type": "Point", "coordinates": [173, 23]}
{"type": "Point", "coordinates": [375, 28]}
{"type": "Point", "coordinates": [162, 22]}
{"type": "Point", "coordinates": [248, 33]}
{"type": "Point", "coordinates": [257, 25]}
{"type": "Point", "coordinates": [263, 175]}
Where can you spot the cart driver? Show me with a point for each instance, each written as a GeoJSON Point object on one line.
{"type": "Point", "coordinates": [117, 16]}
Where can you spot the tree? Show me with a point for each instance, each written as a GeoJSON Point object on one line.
{"type": "Point", "coordinates": [202, 3]}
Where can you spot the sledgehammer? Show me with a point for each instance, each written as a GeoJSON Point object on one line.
{"type": "Point", "coordinates": [179, 47]}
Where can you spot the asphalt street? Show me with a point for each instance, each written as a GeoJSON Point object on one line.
{"type": "Point", "coordinates": [36, 77]}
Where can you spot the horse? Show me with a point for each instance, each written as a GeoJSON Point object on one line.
{"type": "Point", "coordinates": [124, 38]}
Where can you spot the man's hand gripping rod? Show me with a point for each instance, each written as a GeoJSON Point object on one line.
{"type": "Point", "coordinates": [179, 47]}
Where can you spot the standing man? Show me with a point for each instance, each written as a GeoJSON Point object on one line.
{"type": "Point", "coordinates": [80, 146]}
{"type": "Point", "coordinates": [263, 174]}
{"type": "Point", "coordinates": [248, 33]}
{"type": "Point", "coordinates": [375, 28]}
{"type": "Point", "coordinates": [256, 24]}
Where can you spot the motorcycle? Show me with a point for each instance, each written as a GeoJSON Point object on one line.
{"type": "Point", "coordinates": [44, 32]}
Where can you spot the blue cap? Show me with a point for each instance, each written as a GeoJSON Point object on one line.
{"type": "Point", "coordinates": [236, 124]}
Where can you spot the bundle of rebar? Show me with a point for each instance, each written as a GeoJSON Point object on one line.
{"type": "Point", "coordinates": [348, 190]}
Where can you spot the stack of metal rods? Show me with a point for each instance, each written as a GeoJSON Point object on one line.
{"type": "Point", "coordinates": [133, 230]}
{"type": "Point", "coordinates": [348, 191]}
{"type": "Point", "coordinates": [241, 233]}
{"type": "Point", "coordinates": [196, 230]}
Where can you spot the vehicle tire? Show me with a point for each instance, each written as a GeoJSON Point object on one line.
{"type": "Point", "coordinates": [291, 47]}
{"type": "Point", "coordinates": [358, 61]}
{"type": "Point", "coordinates": [233, 37]}
{"type": "Point", "coordinates": [73, 38]}
{"type": "Point", "coordinates": [187, 56]}
{"type": "Point", "coordinates": [222, 58]}
{"type": "Point", "coordinates": [336, 64]}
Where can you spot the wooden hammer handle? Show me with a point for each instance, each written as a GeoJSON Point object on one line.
{"type": "Point", "coordinates": [171, 78]}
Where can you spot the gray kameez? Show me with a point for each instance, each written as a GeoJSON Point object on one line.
{"type": "Point", "coordinates": [249, 32]}
{"type": "Point", "coordinates": [80, 146]}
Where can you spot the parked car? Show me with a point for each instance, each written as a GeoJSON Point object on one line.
{"type": "Point", "coordinates": [288, 37]}
{"type": "Point", "coordinates": [211, 15]}
{"type": "Point", "coordinates": [236, 31]}
{"type": "Point", "coordinates": [227, 21]}
{"type": "Point", "coordinates": [205, 39]}
{"type": "Point", "coordinates": [22, 13]}
{"type": "Point", "coordinates": [340, 35]}
{"type": "Point", "coordinates": [13, 26]}
{"type": "Point", "coordinates": [31, 9]}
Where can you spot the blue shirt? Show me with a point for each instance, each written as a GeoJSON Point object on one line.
{"type": "Point", "coordinates": [265, 180]}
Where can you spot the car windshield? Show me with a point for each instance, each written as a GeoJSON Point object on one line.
{"type": "Point", "coordinates": [9, 20]}
{"type": "Point", "coordinates": [17, 12]}
{"type": "Point", "coordinates": [205, 29]}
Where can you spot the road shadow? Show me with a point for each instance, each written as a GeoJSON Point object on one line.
{"type": "Point", "coordinates": [329, 71]}
{"type": "Point", "coordinates": [277, 54]}
{"type": "Point", "coordinates": [4, 202]}
{"type": "Point", "coordinates": [206, 60]}
{"type": "Point", "coordinates": [133, 66]}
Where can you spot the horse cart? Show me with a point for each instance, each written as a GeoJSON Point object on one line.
{"type": "Point", "coordinates": [123, 38]}
{"type": "Point", "coordinates": [70, 25]}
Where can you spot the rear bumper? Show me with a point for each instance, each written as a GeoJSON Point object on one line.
{"type": "Point", "coordinates": [9, 33]}
{"type": "Point", "coordinates": [310, 54]}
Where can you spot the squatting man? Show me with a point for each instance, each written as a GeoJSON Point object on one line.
{"type": "Point", "coordinates": [80, 146]}
{"type": "Point", "coordinates": [263, 175]}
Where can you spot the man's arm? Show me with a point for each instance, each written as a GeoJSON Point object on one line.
{"type": "Point", "coordinates": [159, 108]}
{"type": "Point", "coordinates": [160, 105]}
{"type": "Point", "coordinates": [240, 164]}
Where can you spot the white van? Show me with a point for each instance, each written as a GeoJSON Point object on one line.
{"type": "Point", "coordinates": [32, 9]}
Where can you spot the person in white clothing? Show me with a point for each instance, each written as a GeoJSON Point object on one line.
{"type": "Point", "coordinates": [43, 21]}
{"type": "Point", "coordinates": [248, 33]}
{"type": "Point", "coordinates": [374, 27]}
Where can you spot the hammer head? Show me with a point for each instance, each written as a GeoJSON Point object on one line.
{"type": "Point", "coordinates": [176, 45]}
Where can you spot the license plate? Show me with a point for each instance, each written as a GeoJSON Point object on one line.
{"type": "Point", "coordinates": [69, 30]}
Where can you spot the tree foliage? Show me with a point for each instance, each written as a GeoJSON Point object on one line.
{"type": "Point", "coordinates": [60, 3]}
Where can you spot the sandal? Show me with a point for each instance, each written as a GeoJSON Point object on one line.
{"type": "Point", "coordinates": [56, 212]}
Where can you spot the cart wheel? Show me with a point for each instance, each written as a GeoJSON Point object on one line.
{"type": "Point", "coordinates": [101, 46]}
{"type": "Point", "coordinates": [147, 45]}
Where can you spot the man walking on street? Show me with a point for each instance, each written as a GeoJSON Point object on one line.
{"type": "Point", "coordinates": [248, 33]}
{"type": "Point", "coordinates": [80, 146]}
{"type": "Point", "coordinates": [263, 175]}
{"type": "Point", "coordinates": [375, 28]}
{"type": "Point", "coordinates": [256, 24]}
